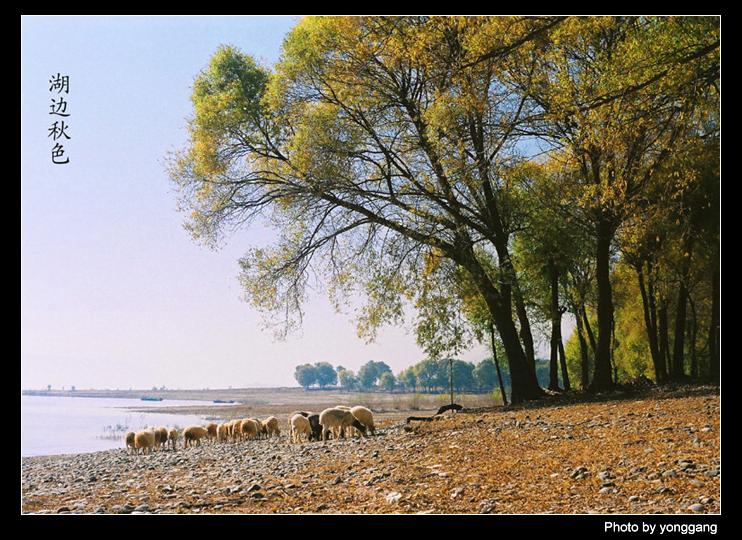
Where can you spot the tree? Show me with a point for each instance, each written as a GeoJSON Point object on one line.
{"type": "Point", "coordinates": [485, 374]}
{"type": "Point", "coordinates": [408, 379]}
{"type": "Point", "coordinates": [347, 379]}
{"type": "Point", "coordinates": [371, 372]}
{"type": "Point", "coordinates": [306, 375]}
{"type": "Point", "coordinates": [387, 381]}
{"type": "Point", "coordinates": [326, 375]}
{"type": "Point", "coordinates": [617, 93]}
{"type": "Point", "coordinates": [374, 140]}
{"type": "Point", "coordinates": [428, 373]}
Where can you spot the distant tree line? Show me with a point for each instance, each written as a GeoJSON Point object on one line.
{"type": "Point", "coordinates": [428, 376]}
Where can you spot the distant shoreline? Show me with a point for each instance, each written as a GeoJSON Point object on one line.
{"type": "Point", "coordinates": [187, 394]}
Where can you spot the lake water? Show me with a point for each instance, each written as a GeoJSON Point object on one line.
{"type": "Point", "coordinates": [71, 425]}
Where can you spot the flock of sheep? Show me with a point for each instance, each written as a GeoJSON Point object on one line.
{"type": "Point", "coordinates": [339, 421]}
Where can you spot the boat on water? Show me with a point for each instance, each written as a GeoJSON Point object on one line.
{"type": "Point", "coordinates": [151, 398]}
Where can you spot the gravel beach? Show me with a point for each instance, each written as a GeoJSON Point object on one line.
{"type": "Point", "coordinates": [657, 454]}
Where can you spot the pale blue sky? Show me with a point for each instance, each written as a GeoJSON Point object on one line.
{"type": "Point", "coordinates": [113, 291]}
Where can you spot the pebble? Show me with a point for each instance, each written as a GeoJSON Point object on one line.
{"type": "Point", "coordinates": [393, 497]}
{"type": "Point", "coordinates": [697, 507]}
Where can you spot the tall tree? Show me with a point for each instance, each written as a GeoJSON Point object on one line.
{"type": "Point", "coordinates": [374, 140]}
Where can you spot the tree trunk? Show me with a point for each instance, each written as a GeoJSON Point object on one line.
{"type": "Point", "coordinates": [678, 357]}
{"type": "Point", "coordinates": [584, 365]}
{"type": "Point", "coordinates": [651, 326]}
{"type": "Point", "coordinates": [554, 308]}
{"type": "Point", "coordinates": [526, 335]}
{"type": "Point", "coordinates": [589, 330]}
{"type": "Point", "coordinates": [563, 361]}
{"type": "Point", "coordinates": [714, 329]}
{"type": "Point", "coordinates": [693, 334]}
{"type": "Point", "coordinates": [602, 375]}
{"type": "Point", "coordinates": [664, 346]}
{"type": "Point", "coordinates": [497, 364]}
{"type": "Point", "coordinates": [450, 378]}
{"type": "Point", "coordinates": [523, 382]}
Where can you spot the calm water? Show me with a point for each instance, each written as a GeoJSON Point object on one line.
{"type": "Point", "coordinates": [72, 425]}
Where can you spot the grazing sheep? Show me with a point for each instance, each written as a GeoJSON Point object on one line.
{"type": "Point", "coordinates": [160, 438]}
{"type": "Point", "coordinates": [250, 428]}
{"type": "Point", "coordinates": [144, 440]}
{"type": "Point", "coordinates": [300, 426]}
{"type": "Point", "coordinates": [194, 434]}
{"type": "Point", "coordinates": [262, 429]}
{"type": "Point", "coordinates": [211, 431]}
{"type": "Point", "coordinates": [222, 432]}
{"type": "Point", "coordinates": [338, 418]}
{"type": "Point", "coordinates": [270, 426]}
{"type": "Point", "coordinates": [130, 442]}
{"type": "Point", "coordinates": [365, 417]}
{"type": "Point", "coordinates": [172, 437]}
{"type": "Point", "coordinates": [237, 430]}
{"type": "Point", "coordinates": [313, 422]}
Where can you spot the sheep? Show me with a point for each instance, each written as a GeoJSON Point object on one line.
{"type": "Point", "coordinates": [129, 438]}
{"type": "Point", "coordinates": [300, 426]}
{"type": "Point", "coordinates": [338, 418]}
{"type": "Point", "coordinates": [237, 430]}
{"type": "Point", "coordinates": [270, 426]}
{"type": "Point", "coordinates": [250, 428]}
{"type": "Point", "coordinates": [172, 437]}
{"type": "Point", "coordinates": [160, 438]}
{"type": "Point", "coordinates": [144, 440]}
{"type": "Point", "coordinates": [262, 429]}
{"type": "Point", "coordinates": [211, 431]}
{"type": "Point", "coordinates": [222, 432]}
{"type": "Point", "coordinates": [194, 434]}
{"type": "Point", "coordinates": [365, 417]}
{"type": "Point", "coordinates": [313, 422]}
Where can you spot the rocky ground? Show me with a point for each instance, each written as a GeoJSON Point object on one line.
{"type": "Point", "coordinates": [656, 454]}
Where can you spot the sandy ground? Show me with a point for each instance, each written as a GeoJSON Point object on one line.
{"type": "Point", "coordinates": [658, 453]}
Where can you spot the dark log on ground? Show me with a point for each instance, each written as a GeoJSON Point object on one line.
{"type": "Point", "coordinates": [452, 407]}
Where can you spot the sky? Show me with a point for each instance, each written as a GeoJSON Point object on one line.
{"type": "Point", "coordinates": [114, 293]}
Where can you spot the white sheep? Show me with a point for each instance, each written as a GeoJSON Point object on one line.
{"type": "Point", "coordinates": [299, 426]}
{"type": "Point", "coordinates": [365, 417]}
{"type": "Point", "coordinates": [334, 418]}
{"type": "Point", "coordinates": [194, 434]}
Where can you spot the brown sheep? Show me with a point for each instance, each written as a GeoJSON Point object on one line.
{"type": "Point", "coordinates": [194, 434]}
{"type": "Point", "coordinates": [144, 440]}
{"type": "Point", "coordinates": [130, 442]}
{"type": "Point", "coordinates": [270, 426]}
{"type": "Point", "coordinates": [222, 432]}
{"type": "Point", "coordinates": [160, 438]}
{"type": "Point", "coordinates": [250, 428]}
{"type": "Point", "coordinates": [172, 437]}
{"type": "Point", "coordinates": [211, 431]}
